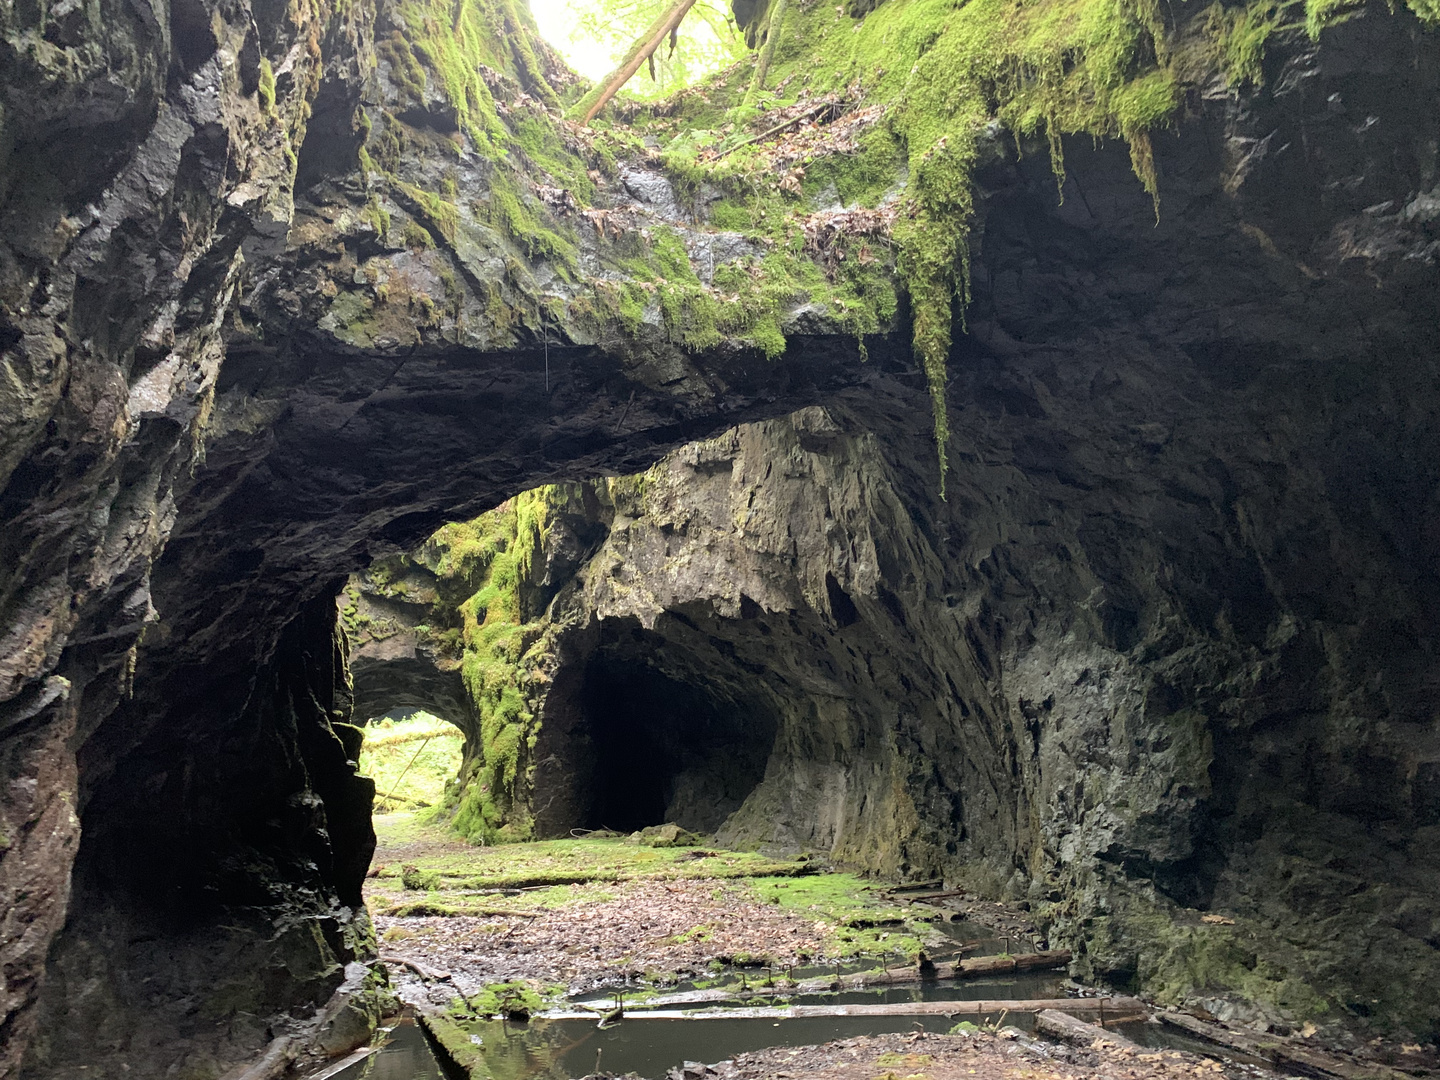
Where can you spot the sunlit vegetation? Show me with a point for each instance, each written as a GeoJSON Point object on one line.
{"type": "Point", "coordinates": [410, 760]}
{"type": "Point", "coordinates": [594, 37]}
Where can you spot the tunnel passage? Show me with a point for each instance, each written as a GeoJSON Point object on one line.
{"type": "Point", "coordinates": [414, 756]}
{"type": "Point", "coordinates": [672, 736]}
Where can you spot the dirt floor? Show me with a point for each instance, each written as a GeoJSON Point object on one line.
{"type": "Point", "coordinates": [655, 929]}
{"type": "Point", "coordinates": [964, 1057]}
{"type": "Point", "coordinates": [616, 911]}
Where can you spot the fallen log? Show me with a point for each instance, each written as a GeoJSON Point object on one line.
{"type": "Point", "coordinates": [1070, 1029]}
{"type": "Point", "coordinates": [1281, 1050]}
{"type": "Point", "coordinates": [274, 1062]}
{"type": "Point", "coordinates": [1114, 1006]}
{"type": "Point", "coordinates": [344, 1063]}
{"type": "Point", "coordinates": [997, 965]}
{"type": "Point", "coordinates": [925, 898]}
{"type": "Point", "coordinates": [761, 138]}
{"type": "Point", "coordinates": [963, 969]}
{"type": "Point", "coordinates": [588, 107]}
{"type": "Point", "coordinates": [417, 967]}
{"type": "Point", "coordinates": [863, 980]}
{"type": "Point", "coordinates": [914, 887]}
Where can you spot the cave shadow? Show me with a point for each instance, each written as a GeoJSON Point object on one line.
{"type": "Point", "coordinates": [671, 738]}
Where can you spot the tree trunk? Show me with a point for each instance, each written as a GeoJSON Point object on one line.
{"type": "Point", "coordinates": [590, 105]}
{"type": "Point", "coordinates": [767, 53]}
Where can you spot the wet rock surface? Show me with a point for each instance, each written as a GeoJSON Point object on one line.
{"type": "Point", "coordinates": [1164, 652]}
{"type": "Point", "coordinates": [1167, 648]}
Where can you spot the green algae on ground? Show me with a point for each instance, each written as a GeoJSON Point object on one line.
{"type": "Point", "coordinates": [865, 922]}
{"type": "Point", "coordinates": [575, 862]}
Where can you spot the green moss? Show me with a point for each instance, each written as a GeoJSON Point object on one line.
{"type": "Point", "coordinates": [499, 633]}
{"type": "Point", "coordinates": [862, 923]}
{"type": "Point", "coordinates": [1239, 36]}
{"type": "Point", "coordinates": [377, 216]}
{"type": "Point", "coordinates": [416, 237]}
{"type": "Point", "coordinates": [1177, 961]}
{"type": "Point", "coordinates": [538, 140]}
{"type": "Point", "coordinates": [418, 880]}
{"type": "Point", "coordinates": [456, 1043]}
{"type": "Point", "coordinates": [729, 214]}
{"type": "Point", "coordinates": [446, 43]}
{"type": "Point", "coordinates": [267, 87]}
{"type": "Point", "coordinates": [504, 998]}
{"type": "Point", "coordinates": [943, 74]}
{"type": "Point", "coordinates": [563, 872]}
{"type": "Point", "coordinates": [443, 216]}
{"type": "Point", "coordinates": [522, 36]}
{"type": "Point", "coordinates": [385, 148]}
{"type": "Point", "coordinates": [513, 215]}
{"type": "Point", "coordinates": [863, 178]}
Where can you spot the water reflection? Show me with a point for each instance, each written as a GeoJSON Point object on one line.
{"type": "Point", "coordinates": [405, 1056]}
{"type": "Point", "coordinates": [562, 1049]}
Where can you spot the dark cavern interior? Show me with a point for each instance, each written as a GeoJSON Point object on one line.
{"type": "Point", "coordinates": [984, 448]}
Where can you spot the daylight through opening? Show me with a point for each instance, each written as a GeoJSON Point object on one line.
{"type": "Point", "coordinates": [413, 756]}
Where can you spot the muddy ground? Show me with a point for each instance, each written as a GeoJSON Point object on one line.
{"type": "Point", "coordinates": [981, 1056]}
{"type": "Point", "coordinates": [617, 912]}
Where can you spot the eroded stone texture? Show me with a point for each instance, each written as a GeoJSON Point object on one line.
{"type": "Point", "coordinates": [149, 186]}
{"type": "Point", "coordinates": [1167, 647]}
{"type": "Point", "coordinates": [1171, 632]}
{"type": "Point", "coordinates": [136, 162]}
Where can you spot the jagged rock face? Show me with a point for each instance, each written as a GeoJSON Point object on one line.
{"type": "Point", "coordinates": [170, 380]}
{"type": "Point", "coordinates": [1168, 641]}
{"type": "Point", "coordinates": [137, 163]}
{"type": "Point", "coordinates": [394, 661]}
{"type": "Point", "coordinates": [1167, 646]}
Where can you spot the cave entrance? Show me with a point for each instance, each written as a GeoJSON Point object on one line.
{"type": "Point", "coordinates": [674, 738]}
{"type": "Point", "coordinates": [414, 757]}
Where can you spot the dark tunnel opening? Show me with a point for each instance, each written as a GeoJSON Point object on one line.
{"type": "Point", "coordinates": [671, 741]}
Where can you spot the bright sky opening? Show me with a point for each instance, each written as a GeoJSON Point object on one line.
{"type": "Point", "coordinates": [593, 36]}
{"type": "Point", "coordinates": [558, 21]}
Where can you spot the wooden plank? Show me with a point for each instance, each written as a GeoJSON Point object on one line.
{"type": "Point", "coordinates": [1114, 1006]}
{"type": "Point", "coordinates": [996, 965]}
{"type": "Point", "coordinates": [1280, 1050]}
{"type": "Point", "coordinates": [964, 969]}
{"type": "Point", "coordinates": [1070, 1029]}
{"type": "Point", "coordinates": [344, 1063]}
{"type": "Point", "coordinates": [863, 980]}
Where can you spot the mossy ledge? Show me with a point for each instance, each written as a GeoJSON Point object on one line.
{"type": "Point", "coordinates": [909, 98]}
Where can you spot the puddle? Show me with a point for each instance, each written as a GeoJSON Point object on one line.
{"type": "Point", "coordinates": [405, 1056]}
{"type": "Point", "coordinates": [563, 1049]}
{"type": "Point", "coordinates": [984, 940]}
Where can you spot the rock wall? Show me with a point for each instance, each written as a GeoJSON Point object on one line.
{"type": "Point", "coordinates": [1166, 650]}
{"type": "Point", "coordinates": [1167, 643]}
{"type": "Point", "coordinates": [197, 449]}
